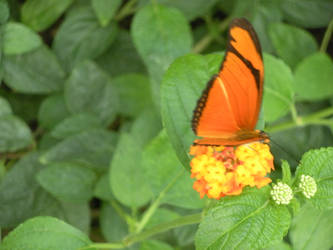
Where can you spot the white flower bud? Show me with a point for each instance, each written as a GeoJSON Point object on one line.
{"type": "Point", "coordinates": [281, 193]}
{"type": "Point", "coordinates": [308, 186]}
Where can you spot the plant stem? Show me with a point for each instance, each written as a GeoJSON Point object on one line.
{"type": "Point", "coordinates": [312, 119]}
{"type": "Point", "coordinates": [151, 210]}
{"type": "Point", "coordinates": [126, 10]}
{"type": "Point", "coordinates": [207, 39]}
{"type": "Point", "coordinates": [131, 239]}
{"type": "Point", "coordinates": [327, 37]}
{"type": "Point", "coordinates": [186, 220]}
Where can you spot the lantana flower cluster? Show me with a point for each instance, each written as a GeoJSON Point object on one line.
{"type": "Point", "coordinates": [225, 170]}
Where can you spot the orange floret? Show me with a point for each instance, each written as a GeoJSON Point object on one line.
{"type": "Point", "coordinates": [221, 171]}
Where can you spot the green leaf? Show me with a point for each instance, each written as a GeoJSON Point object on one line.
{"type": "Point", "coordinates": [318, 164]}
{"type": "Point", "coordinates": [81, 37]}
{"type": "Point", "coordinates": [90, 90]}
{"type": "Point", "coordinates": [45, 233]}
{"type": "Point", "coordinates": [182, 86]}
{"type": "Point", "coordinates": [19, 39]}
{"type": "Point", "coordinates": [161, 215]}
{"type": "Point", "coordinates": [68, 181]}
{"type": "Point", "coordinates": [162, 168]}
{"type": "Point", "coordinates": [76, 124]}
{"type": "Point", "coordinates": [41, 14]}
{"type": "Point", "coordinates": [308, 13]}
{"type": "Point", "coordinates": [313, 77]}
{"type": "Point", "coordinates": [113, 227]}
{"type": "Point", "coordinates": [52, 111]}
{"type": "Point", "coordinates": [303, 138]}
{"type": "Point", "coordinates": [4, 12]}
{"type": "Point", "coordinates": [27, 73]}
{"type": "Point", "coordinates": [102, 189]}
{"type": "Point", "coordinates": [191, 9]}
{"type": "Point", "coordinates": [291, 43]}
{"type": "Point", "coordinates": [248, 221]}
{"type": "Point", "coordinates": [14, 134]}
{"type": "Point", "coordinates": [286, 173]}
{"type": "Point", "coordinates": [122, 57]}
{"type": "Point", "coordinates": [278, 93]}
{"type": "Point", "coordinates": [91, 148]}
{"type": "Point", "coordinates": [279, 246]}
{"type": "Point", "coordinates": [105, 10]}
{"type": "Point", "coordinates": [127, 179]}
{"type": "Point", "coordinates": [21, 197]}
{"type": "Point", "coordinates": [312, 229]}
{"type": "Point", "coordinates": [155, 244]}
{"type": "Point", "coordinates": [5, 108]}
{"type": "Point", "coordinates": [145, 127]}
{"type": "Point", "coordinates": [134, 93]}
{"type": "Point", "coordinates": [157, 43]}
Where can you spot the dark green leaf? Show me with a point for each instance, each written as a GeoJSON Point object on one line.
{"type": "Point", "coordinates": [312, 229]}
{"type": "Point", "coordinates": [52, 111]}
{"type": "Point", "coordinates": [76, 124]}
{"type": "Point", "coordinates": [182, 86]}
{"type": "Point", "coordinates": [19, 39]}
{"type": "Point", "coordinates": [292, 44]}
{"type": "Point", "coordinates": [121, 57]}
{"type": "Point", "coordinates": [127, 179]}
{"type": "Point", "coordinates": [89, 89]}
{"type": "Point", "coordinates": [4, 12]}
{"type": "Point", "coordinates": [68, 181]}
{"type": "Point", "coordinates": [113, 227]}
{"type": "Point", "coordinates": [103, 189]}
{"type": "Point", "coordinates": [105, 10]}
{"type": "Point", "coordinates": [286, 173]}
{"type": "Point", "coordinates": [158, 43]}
{"type": "Point", "coordinates": [191, 9]}
{"type": "Point", "coordinates": [308, 13]}
{"type": "Point", "coordinates": [155, 244]}
{"type": "Point", "coordinates": [20, 195]}
{"type": "Point", "coordinates": [248, 221]}
{"type": "Point", "coordinates": [318, 163]}
{"type": "Point", "coordinates": [28, 73]}
{"type": "Point", "coordinates": [92, 148]}
{"type": "Point", "coordinates": [134, 93]}
{"type": "Point", "coordinates": [278, 93]}
{"type": "Point", "coordinates": [313, 77]}
{"type": "Point", "coordinates": [45, 233]}
{"type": "Point", "coordinates": [5, 108]}
{"type": "Point", "coordinates": [41, 14]}
{"type": "Point", "coordinates": [81, 37]}
{"type": "Point", "coordinates": [162, 168]}
{"type": "Point", "coordinates": [14, 134]}
{"type": "Point", "coordinates": [161, 215]}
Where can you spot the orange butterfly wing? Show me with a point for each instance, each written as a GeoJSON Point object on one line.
{"type": "Point", "coordinates": [227, 111]}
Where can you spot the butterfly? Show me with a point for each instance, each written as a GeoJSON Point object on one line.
{"type": "Point", "coordinates": [228, 109]}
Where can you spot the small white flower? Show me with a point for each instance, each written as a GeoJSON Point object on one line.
{"type": "Point", "coordinates": [308, 186]}
{"type": "Point", "coordinates": [281, 193]}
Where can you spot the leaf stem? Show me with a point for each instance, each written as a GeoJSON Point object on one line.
{"type": "Point", "coordinates": [151, 210]}
{"type": "Point", "coordinates": [126, 10]}
{"type": "Point", "coordinates": [312, 119]}
{"type": "Point", "coordinates": [207, 39]}
{"type": "Point", "coordinates": [327, 37]}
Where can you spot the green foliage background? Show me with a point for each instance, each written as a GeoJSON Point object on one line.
{"type": "Point", "coordinates": [95, 109]}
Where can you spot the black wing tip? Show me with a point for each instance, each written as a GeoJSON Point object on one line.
{"type": "Point", "coordinates": [201, 104]}
{"type": "Point", "coordinates": [243, 23]}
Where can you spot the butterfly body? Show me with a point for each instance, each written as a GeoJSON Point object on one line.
{"type": "Point", "coordinates": [228, 109]}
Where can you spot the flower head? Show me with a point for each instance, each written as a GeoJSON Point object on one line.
{"type": "Point", "coordinates": [221, 171]}
{"type": "Point", "coordinates": [308, 186]}
{"type": "Point", "coordinates": [281, 193]}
